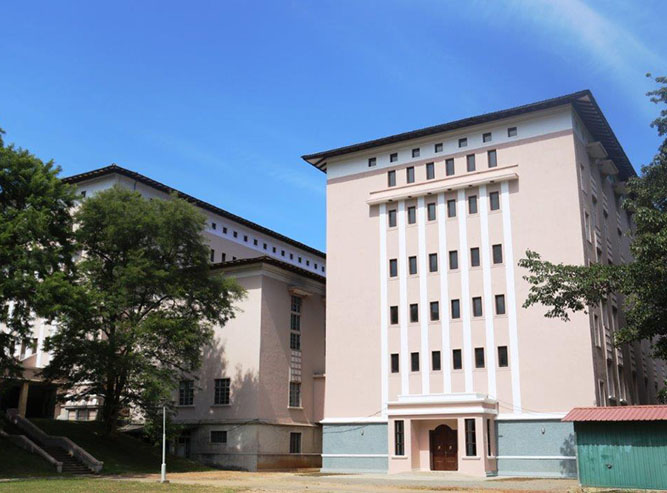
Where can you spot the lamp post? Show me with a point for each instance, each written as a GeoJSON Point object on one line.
{"type": "Point", "coordinates": [163, 475]}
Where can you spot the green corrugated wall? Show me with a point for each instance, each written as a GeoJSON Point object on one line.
{"type": "Point", "coordinates": [631, 454]}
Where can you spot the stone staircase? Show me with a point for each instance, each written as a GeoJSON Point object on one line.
{"type": "Point", "coordinates": [70, 464]}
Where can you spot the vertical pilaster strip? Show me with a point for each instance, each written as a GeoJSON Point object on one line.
{"type": "Point", "coordinates": [40, 345]}
{"type": "Point", "coordinates": [423, 297]}
{"type": "Point", "coordinates": [488, 294]}
{"type": "Point", "coordinates": [511, 297]}
{"type": "Point", "coordinates": [444, 297]}
{"type": "Point", "coordinates": [464, 267]}
{"type": "Point", "coordinates": [384, 345]}
{"type": "Point", "coordinates": [403, 300]}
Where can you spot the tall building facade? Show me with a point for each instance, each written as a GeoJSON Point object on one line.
{"type": "Point", "coordinates": [432, 362]}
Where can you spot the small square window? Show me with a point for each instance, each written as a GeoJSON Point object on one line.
{"type": "Point", "coordinates": [470, 162]}
{"type": "Point", "coordinates": [218, 436]}
{"type": "Point", "coordinates": [456, 309]}
{"type": "Point", "coordinates": [474, 257]}
{"type": "Point", "coordinates": [494, 201]}
{"type": "Point", "coordinates": [435, 311]}
{"type": "Point", "coordinates": [394, 363]}
{"type": "Point", "coordinates": [393, 267]}
{"type": "Point", "coordinates": [449, 167]}
{"type": "Point", "coordinates": [414, 312]}
{"type": "Point", "coordinates": [414, 361]}
{"type": "Point", "coordinates": [392, 218]}
{"type": "Point", "coordinates": [372, 162]}
{"type": "Point", "coordinates": [497, 254]}
{"type": "Point", "coordinates": [463, 142]}
{"type": "Point", "coordinates": [486, 137]}
{"type": "Point", "coordinates": [412, 215]}
{"type": "Point", "coordinates": [479, 357]}
{"type": "Point", "coordinates": [492, 158]}
{"type": "Point", "coordinates": [433, 262]}
{"type": "Point", "coordinates": [415, 152]}
{"type": "Point", "coordinates": [511, 132]}
{"type": "Point", "coordinates": [436, 364]}
{"type": "Point", "coordinates": [453, 259]}
{"type": "Point", "coordinates": [412, 263]}
{"type": "Point", "coordinates": [477, 306]}
{"type": "Point", "coordinates": [500, 304]}
{"type": "Point", "coordinates": [438, 147]}
{"type": "Point", "coordinates": [391, 178]}
{"type": "Point", "coordinates": [502, 357]}
{"type": "Point", "coordinates": [472, 204]}
{"type": "Point", "coordinates": [393, 315]}
{"type": "Point", "coordinates": [430, 208]}
{"type": "Point", "coordinates": [410, 174]}
{"type": "Point", "coordinates": [457, 361]}
{"type": "Point", "coordinates": [393, 157]}
{"type": "Point", "coordinates": [430, 171]}
{"type": "Point", "coordinates": [451, 208]}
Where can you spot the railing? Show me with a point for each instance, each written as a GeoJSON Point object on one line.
{"type": "Point", "coordinates": [25, 443]}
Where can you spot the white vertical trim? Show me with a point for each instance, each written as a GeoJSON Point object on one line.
{"type": "Point", "coordinates": [444, 296]}
{"type": "Point", "coordinates": [488, 294]}
{"type": "Point", "coordinates": [464, 267]}
{"type": "Point", "coordinates": [403, 300]}
{"type": "Point", "coordinates": [384, 345]}
{"type": "Point", "coordinates": [423, 297]}
{"type": "Point", "coordinates": [40, 343]}
{"type": "Point", "coordinates": [511, 297]}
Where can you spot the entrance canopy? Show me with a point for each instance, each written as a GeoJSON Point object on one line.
{"type": "Point", "coordinates": [427, 406]}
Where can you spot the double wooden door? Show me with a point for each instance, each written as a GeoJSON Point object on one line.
{"type": "Point", "coordinates": [444, 449]}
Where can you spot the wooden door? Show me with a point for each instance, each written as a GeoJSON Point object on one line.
{"type": "Point", "coordinates": [444, 449]}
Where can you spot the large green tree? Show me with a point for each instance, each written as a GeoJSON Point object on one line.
{"type": "Point", "coordinates": [568, 288]}
{"type": "Point", "coordinates": [35, 245]}
{"type": "Point", "coordinates": [142, 304]}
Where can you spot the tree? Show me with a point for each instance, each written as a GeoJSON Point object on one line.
{"type": "Point", "coordinates": [142, 304]}
{"type": "Point", "coordinates": [566, 288]}
{"type": "Point", "coordinates": [35, 244]}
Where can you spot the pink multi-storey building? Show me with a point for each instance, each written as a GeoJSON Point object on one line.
{"type": "Point", "coordinates": [432, 363]}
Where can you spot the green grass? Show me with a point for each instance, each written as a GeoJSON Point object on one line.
{"type": "Point", "coordinates": [18, 463]}
{"type": "Point", "coordinates": [120, 453]}
{"type": "Point", "coordinates": [102, 486]}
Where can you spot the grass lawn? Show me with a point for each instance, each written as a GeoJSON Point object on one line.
{"type": "Point", "coordinates": [120, 453]}
{"type": "Point", "coordinates": [101, 486]}
{"type": "Point", "coordinates": [16, 462]}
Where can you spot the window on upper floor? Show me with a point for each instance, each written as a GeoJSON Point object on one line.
{"type": "Point", "coordinates": [223, 257]}
{"type": "Point", "coordinates": [393, 267]}
{"type": "Point", "coordinates": [486, 137]}
{"type": "Point", "coordinates": [449, 167]}
{"type": "Point", "coordinates": [512, 132]}
{"type": "Point", "coordinates": [414, 361]}
{"type": "Point", "coordinates": [294, 394]}
{"type": "Point", "coordinates": [212, 255]}
{"type": "Point", "coordinates": [410, 174]}
{"type": "Point", "coordinates": [430, 171]}
{"type": "Point", "coordinates": [479, 357]}
{"type": "Point", "coordinates": [415, 152]}
{"type": "Point", "coordinates": [451, 208]}
{"type": "Point", "coordinates": [412, 265]}
{"type": "Point", "coordinates": [453, 259]}
{"type": "Point", "coordinates": [186, 393]}
{"type": "Point", "coordinates": [494, 201]}
{"type": "Point", "coordinates": [218, 436]}
{"type": "Point", "coordinates": [430, 208]}
{"type": "Point", "coordinates": [436, 364]}
{"type": "Point", "coordinates": [393, 157]}
{"type": "Point", "coordinates": [295, 341]}
{"type": "Point", "coordinates": [438, 147]}
{"type": "Point", "coordinates": [456, 309]}
{"type": "Point", "coordinates": [503, 360]}
{"type": "Point", "coordinates": [221, 391]}
{"type": "Point", "coordinates": [414, 312]}
{"type": "Point", "coordinates": [295, 313]}
{"type": "Point", "coordinates": [433, 262]}
{"type": "Point", "coordinates": [497, 254]}
{"type": "Point", "coordinates": [214, 226]}
{"type": "Point", "coordinates": [393, 315]}
{"type": "Point", "coordinates": [500, 304]}
{"type": "Point", "coordinates": [477, 306]}
{"type": "Point", "coordinates": [391, 178]}
{"type": "Point", "coordinates": [434, 311]}
{"type": "Point", "coordinates": [457, 360]}
{"type": "Point", "coordinates": [474, 257]}
{"type": "Point", "coordinates": [412, 214]}
{"type": "Point", "coordinates": [372, 162]}
{"type": "Point", "coordinates": [472, 204]}
{"type": "Point", "coordinates": [392, 218]}
{"type": "Point", "coordinates": [395, 368]}
{"type": "Point", "coordinates": [470, 162]}
{"type": "Point", "coordinates": [463, 142]}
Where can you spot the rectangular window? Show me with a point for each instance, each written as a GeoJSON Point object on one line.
{"type": "Point", "coordinates": [449, 167]}
{"type": "Point", "coordinates": [430, 209]}
{"type": "Point", "coordinates": [391, 215]}
{"type": "Point", "coordinates": [245, 238]}
{"type": "Point", "coordinates": [410, 174]}
{"type": "Point", "coordinates": [438, 147]}
{"type": "Point", "coordinates": [463, 142]}
{"type": "Point", "coordinates": [494, 201]}
{"type": "Point", "coordinates": [435, 311]}
{"type": "Point", "coordinates": [412, 265]}
{"type": "Point", "coordinates": [393, 157]}
{"type": "Point", "coordinates": [412, 215]}
{"type": "Point", "coordinates": [488, 437]}
{"type": "Point", "coordinates": [474, 257]}
{"type": "Point", "coordinates": [212, 255]}
{"type": "Point", "coordinates": [222, 388]}
{"type": "Point", "coordinates": [218, 436]}
{"type": "Point", "coordinates": [502, 357]}
{"type": "Point", "coordinates": [497, 254]}
{"type": "Point", "coordinates": [415, 152]}
{"type": "Point", "coordinates": [395, 363]}
{"type": "Point", "coordinates": [511, 132]}
{"type": "Point", "coordinates": [372, 162]}
{"type": "Point", "coordinates": [479, 357]}
{"type": "Point", "coordinates": [414, 312]}
{"type": "Point", "coordinates": [295, 313]}
{"type": "Point", "coordinates": [472, 204]}
{"type": "Point", "coordinates": [223, 256]}
{"type": "Point", "coordinates": [186, 393]}
{"type": "Point", "coordinates": [391, 178]}
{"type": "Point", "coordinates": [433, 262]}
{"type": "Point", "coordinates": [486, 137]}
{"type": "Point", "coordinates": [477, 306]}
{"type": "Point", "coordinates": [500, 304]}
{"type": "Point", "coordinates": [295, 341]}
{"type": "Point", "coordinates": [414, 361]}
{"type": "Point", "coordinates": [470, 162]}
{"type": "Point", "coordinates": [294, 443]}
{"type": "Point", "coordinates": [294, 394]}
{"type": "Point", "coordinates": [214, 226]}
{"type": "Point", "coordinates": [393, 315]}
{"type": "Point", "coordinates": [451, 208]}
{"type": "Point", "coordinates": [399, 438]}
{"type": "Point", "coordinates": [457, 362]}
{"type": "Point", "coordinates": [471, 438]}
{"type": "Point", "coordinates": [436, 364]}
{"type": "Point", "coordinates": [492, 158]}
{"type": "Point", "coordinates": [453, 259]}
{"type": "Point", "coordinates": [456, 309]}
{"type": "Point", "coordinates": [393, 267]}
{"type": "Point", "coordinates": [430, 171]}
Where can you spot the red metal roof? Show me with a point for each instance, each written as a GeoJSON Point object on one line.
{"type": "Point", "coordinates": [620, 413]}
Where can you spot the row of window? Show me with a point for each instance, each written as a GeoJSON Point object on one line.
{"type": "Point", "coordinates": [475, 260]}
{"type": "Point", "coordinates": [438, 147]}
{"type": "Point", "coordinates": [221, 392]}
{"type": "Point", "coordinates": [450, 169]}
{"type": "Point", "coordinates": [220, 436]}
{"type": "Point", "coordinates": [457, 360]}
{"type": "Point", "coordinates": [434, 309]}
{"type": "Point", "coordinates": [470, 437]}
{"type": "Point", "coordinates": [494, 205]}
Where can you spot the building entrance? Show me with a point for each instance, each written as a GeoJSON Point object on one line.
{"type": "Point", "coordinates": [444, 449]}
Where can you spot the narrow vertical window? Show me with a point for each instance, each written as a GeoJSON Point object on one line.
{"type": "Point", "coordinates": [436, 364]}
{"type": "Point", "coordinates": [186, 393]}
{"type": "Point", "coordinates": [488, 437]}
{"type": "Point", "coordinates": [410, 174]}
{"type": "Point", "coordinates": [500, 304]}
{"type": "Point", "coordinates": [463, 142]}
{"type": "Point", "coordinates": [372, 162]}
{"type": "Point", "coordinates": [451, 208]}
{"type": "Point", "coordinates": [430, 208]}
{"type": "Point", "coordinates": [454, 259]}
{"type": "Point", "coordinates": [435, 311]}
{"type": "Point", "coordinates": [474, 257]}
{"type": "Point", "coordinates": [415, 152]}
{"type": "Point", "coordinates": [433, 262]}
{"type": "Point", "coordinates": [477, 306]}
{"type": "Point", "coordinates": [492, 158]}
{"type": "Point", "coordinates": [456, 309]}
{"type": "Point", "coordinates": [294, 443]}
{"type": "Point", "coordinates": [471, 438]}
{"type": "Point", "coordinates": [438, 147]}
{"type": "Point", "coordinates": [479, 357]}
{"type": "Point", "coordinates": [412, 265]}
{"type": "Point", "coordinates": [449, 167]}
{"type": "Point", "coordinates": [295, 394]}
{"type": "Point", "coordinates": [391, 178]}
{"type": "Point", "coordinates": [221, 394]}
{"type": "Point", "coordinates": [399, 438]}
{"type": "Point", "coordinates": [412, 215]}
{"type": "Point", "coordinates": [494, 201]}
{"type": "Point", "coordinates": [393, 157]}
{"type": "Point", "coordinates": [497, 254]}
{"type": "Point", "coordinates": [414, 361]}
{"type": "Point", "coordinates": [212, 255]}
{"type": "Point", "coordinates": [502, 357]}
{"type": "Point", "coordinates": [470, 162]}
{"type": "Point", "coordinates": [414, 312]}
{"type": "Point", "coordinates": [457, 361]}
{"type": "Point", "coordinates": [394, 363]}
{"type": "Point", "coordinates": [391, 216]}
{"type": "Point", "coordinates": [295, 314]}
{"type": "Point", "coordinates": [472, 204]}
{"type": "Point", "coordinates": [393, 267]}
{"type": "Point", "coordinates": [430, 171]}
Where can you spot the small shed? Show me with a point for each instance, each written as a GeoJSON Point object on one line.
{"type": "Point", "coordinates": [621, 447]}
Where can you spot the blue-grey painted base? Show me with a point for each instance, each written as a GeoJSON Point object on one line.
{"type": "Point", "coordinates": [354, 447]}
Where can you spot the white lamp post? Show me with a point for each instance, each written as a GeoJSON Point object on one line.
{"type": "Point", "coordinates": [163, 476]}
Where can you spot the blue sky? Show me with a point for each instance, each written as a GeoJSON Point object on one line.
{"type": "Point", "coordinates": [219, 99]}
